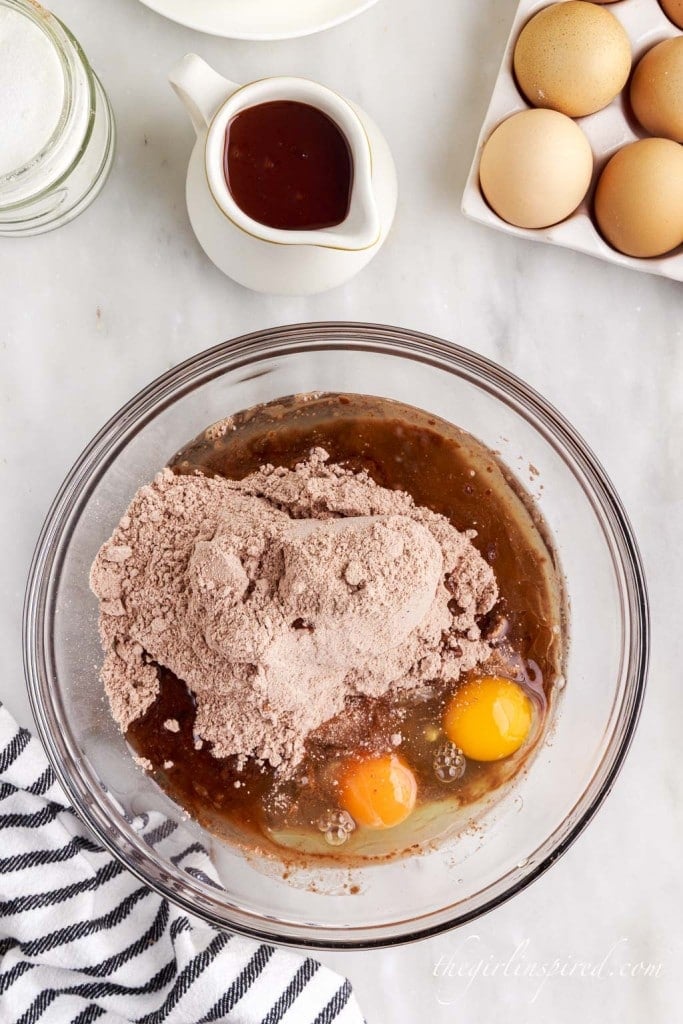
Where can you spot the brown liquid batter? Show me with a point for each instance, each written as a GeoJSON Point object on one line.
{"type": "Point", "coordinates": [446, 470]}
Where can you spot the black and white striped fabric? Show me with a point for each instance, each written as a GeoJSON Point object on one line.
{"type": "Point", "coordinates": [82, 940]}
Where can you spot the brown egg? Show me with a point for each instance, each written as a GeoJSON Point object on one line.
{"type": "Point", "coordinates": [574, 57]}
{"type": "Point", "coordinates": [639, 198]}
{"type": "Point", "coordinates": [536, 168]}
{"type": "Point", "coordinates": [673, 10]}
{"type": "Point", "coordinates": [657, 90]}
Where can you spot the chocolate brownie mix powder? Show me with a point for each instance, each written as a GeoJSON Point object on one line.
{"type": "Point", "coordinates": [276, 597]}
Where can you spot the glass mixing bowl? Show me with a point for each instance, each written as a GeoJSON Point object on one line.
{"type": "Point", "coordinates": [517, 838]}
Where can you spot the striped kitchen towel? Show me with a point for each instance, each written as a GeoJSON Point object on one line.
{"type": "Point", "coordinates": [82, 940]}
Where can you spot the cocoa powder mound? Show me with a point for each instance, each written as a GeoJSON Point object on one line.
{"type": "Point", "coordinates": [276, 597]}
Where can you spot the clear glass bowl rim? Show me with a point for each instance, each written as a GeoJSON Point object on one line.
{"type": "Point", "coordinates": [249, 350]}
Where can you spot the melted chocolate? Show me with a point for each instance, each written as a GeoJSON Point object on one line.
{"type": "Point", "coordinates": [288, 166]}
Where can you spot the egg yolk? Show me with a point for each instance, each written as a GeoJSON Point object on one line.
{"type": "Point", "coordinates": [379, 792]}
{"type": "Point", "coordinates": [488, 718]}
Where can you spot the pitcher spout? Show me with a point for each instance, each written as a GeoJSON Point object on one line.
{"type": "Point", "coordinates": [361, 228]}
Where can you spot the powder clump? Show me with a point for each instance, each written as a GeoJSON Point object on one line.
{"type": "Point", "coordinates": [278, 597]}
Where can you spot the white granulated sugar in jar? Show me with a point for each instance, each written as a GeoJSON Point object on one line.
{"type": "Point", "coordinates": [31, 90]}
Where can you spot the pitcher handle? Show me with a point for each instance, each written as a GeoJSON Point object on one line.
{"type": "Point", "coordinates": [201, 89]}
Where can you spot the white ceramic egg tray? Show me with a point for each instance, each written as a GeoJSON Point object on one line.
{"type": "Point", "coordinates": [607, 131]}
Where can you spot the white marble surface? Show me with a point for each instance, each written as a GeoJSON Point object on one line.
{"type": "Point", "coordinates": [91, 313]}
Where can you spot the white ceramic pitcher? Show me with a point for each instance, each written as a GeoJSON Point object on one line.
{"type": "Point", "coordinates": [270, 259]}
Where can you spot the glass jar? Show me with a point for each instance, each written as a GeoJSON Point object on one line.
{"type": "Point", "coordinates": [54, 184]}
